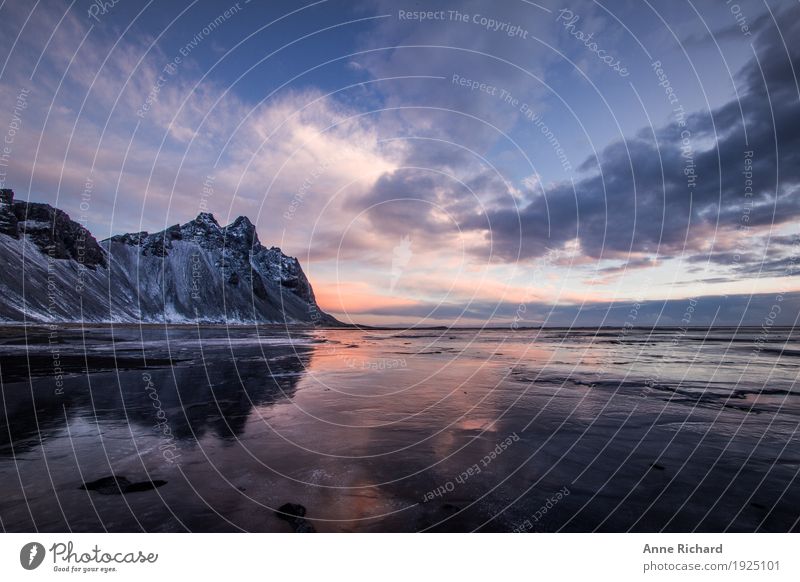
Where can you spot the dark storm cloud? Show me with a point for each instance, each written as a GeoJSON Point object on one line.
{"type": "Point", "coordinates": [402, 202]}
{"type": "Point", "coordinates": [433, 199]}
{"type": "Point", "coordinates": [780, 267]}
{"type": "Point", "coordinates": [669, 191]}
{"type": "Point", "coordinates": [777, 257]}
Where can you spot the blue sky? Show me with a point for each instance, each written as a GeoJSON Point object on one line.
{"type": "Point", "coordinates": [437, 170]}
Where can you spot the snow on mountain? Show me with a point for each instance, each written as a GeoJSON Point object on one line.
{"type": "Point", "coordinates": [54, 270]}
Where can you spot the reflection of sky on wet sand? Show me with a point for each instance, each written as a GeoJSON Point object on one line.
{"type": "Point", "coordinates": [360, 427]}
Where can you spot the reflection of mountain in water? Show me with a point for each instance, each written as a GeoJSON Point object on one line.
{"type": "Point", "coordinates": [212, 388]}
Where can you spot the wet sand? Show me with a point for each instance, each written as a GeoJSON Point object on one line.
{"type": "Point", "coordinates": [377, 430]}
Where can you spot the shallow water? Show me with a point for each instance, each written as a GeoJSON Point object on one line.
{"type": "Point", "coordinates": [435, 430]}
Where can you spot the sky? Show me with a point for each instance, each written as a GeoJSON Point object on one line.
{"type": "Point", "coordinates": [435, 163]}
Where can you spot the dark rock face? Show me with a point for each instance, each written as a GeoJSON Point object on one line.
{"type": "Point", "coordinates": [286, 270]}
{"type": "Point", "coordinates": [131, 238]}
{"type": "Point", "coordinates": [198, 271]}
{"type": "Point", "coordinates": [56, 234]}
{"type": "Point", "coordinates": [8, 220]}
{"type": "Point", "coordinates": [241, 256]}
{"type": "Point", "coordinates": [50, 229]}
{"type": "Point", "coordinates": [114, 485]}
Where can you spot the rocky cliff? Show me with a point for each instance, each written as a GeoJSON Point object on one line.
{"type": "Point", "coordinates": [54, 270]}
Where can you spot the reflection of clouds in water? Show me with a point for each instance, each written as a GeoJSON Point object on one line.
{"type": "Point", "coordinates": [359, 449]}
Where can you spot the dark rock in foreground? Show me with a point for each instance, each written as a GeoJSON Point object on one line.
{"type": "Point", "coordinates": [114, 485]}
{"type": "Point", "coordinates": [293, 514]}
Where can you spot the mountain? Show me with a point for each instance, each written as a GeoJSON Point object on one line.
{"type": "Point", "coordinates": [54, 270]}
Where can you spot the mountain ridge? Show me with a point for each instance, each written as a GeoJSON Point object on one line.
{"type": "Point", "coordinates": [55, 270]}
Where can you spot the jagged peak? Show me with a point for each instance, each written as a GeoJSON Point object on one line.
{"type": "Point", "coordinates": [241, 222]}
{"type": "Point", "coordinates": [206, 218]}
{"type": "Point", "coordinates": [243, 228]}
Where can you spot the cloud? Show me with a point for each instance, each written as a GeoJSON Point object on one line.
{"type": "Point", "coordinates": [733, 32]}
{"type": "Point", "coordinates": [450, 46]}
{"type": "Point", "coordinates": [338, 179]}
{"type": "Point", "coordinates": [665, 191]}
{"type": "Point", "coordinates": [147, 131]}
{"type": "Point", "coordinates": [746, 310]}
